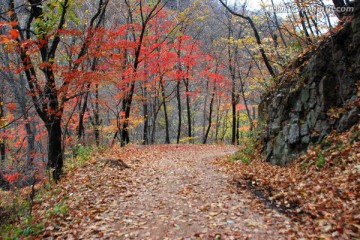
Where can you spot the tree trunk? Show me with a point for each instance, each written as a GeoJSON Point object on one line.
{"type": "Point", "coordinates": [302, 20]}
{"type": "Point", "coordinates": [179, 111]}
{"type": "Point", "coordinates": [210, 115]}
{"type": "Point", "coordinates": [204, 111]}
{"type": "Point", "coordinates": [2, 123]}
{"type": "Point", "coordinates": [146, 124]}
{"type": "Point", "coordinates": [125, 139]}
{"type": "Point", "coordinates": [81, 128]}
{"type": "Point", "coordinates": [2, 149]}
{"type": "Point", "coordinates": [188, 109]}
{"type": "Point", "coordinates": [242, 90]}
{"type": "Point", "coordinates": [145, 139]}
{"type": "Point", "coordinates": [309, 24]}
{"type": "Point", "coordinates": [278, 25]}
{"type": "Point", "coordinates": [167, 135]}
{"type": "Point", "coordinates": [217, 121]}
{"type": "Point", "coordinates": [156, 107]}
{"type": "Point", "coordinates": [97, 121]}
{"type": "Point", "coordinates": [31, 143]}
{"type": "Point", "coordinates": [55, 151]}
{"type": "Point", "coordinates": [233, 113]}
{"type": "Point", "coordinates": [238, 128]}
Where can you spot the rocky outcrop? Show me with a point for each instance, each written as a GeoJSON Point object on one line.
{"type": "Point", "coordinates": [321, 83]}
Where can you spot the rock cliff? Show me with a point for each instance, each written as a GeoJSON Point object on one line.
{"type": "Point", "coordinates": [318, 93]}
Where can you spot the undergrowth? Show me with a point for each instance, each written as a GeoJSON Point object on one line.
{"type": "Point", "coordinates": [245, 153]}
{"type": "Point", "coordinates": [15, 218]}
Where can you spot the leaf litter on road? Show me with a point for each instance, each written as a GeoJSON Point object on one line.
{"type": "Point", "coordinates": [168, 192]}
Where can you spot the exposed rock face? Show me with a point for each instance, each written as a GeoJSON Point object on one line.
{"type": "Point", "coordinates": [296, 114]}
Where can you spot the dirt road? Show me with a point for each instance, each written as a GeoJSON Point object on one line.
{"type": "Point", "coordinates": [170, 192]}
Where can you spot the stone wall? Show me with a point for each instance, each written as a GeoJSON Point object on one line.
{"type": "Point", "coordinates": [296, 114]}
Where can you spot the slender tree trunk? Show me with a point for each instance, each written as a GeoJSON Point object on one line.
{"type": "Point", "coordinates": [225, 126]}
{"type": "Point", "coordinates": [217, 121]}
{"type": "Point", "coordinates": [81, 128]}
{"type": "Point", "coordinates": [188, 109]}
{"type": "Point", "coordinates": [210, 115]}
{"type": "Point", "coordinates": [167, 135]}
{"type": "Point", "coordinates": [154, 123]}
{"type": "Point", "coordinates": [2, 123]}
{"type": "Point", "coordinates": [179, 112]}
{"type": "Point", "coordinates": [326, 14]}
{"type": "Point", "coordinates": [114, 137]}
{"type": "Point", "coordinates": [238, 128]}
{"type": "Point", "coordinates": [3, 183]}
{"type": "Point", "coordinates": [242, 90]}
{"type": "Point", "coordinates": [204, 111]}
{"type": "Point", "coordinates": [146, 118]}
{"type": "Point", "coordinates": [233, 114]}
{"type": "Point", "coordinates": [303, 24]}
{"type": "Point", "coordinates": [309, 24]}
{"type": "Point", "coordinates": [97, 121]}
{"type": "Point", "coordinates": [125, 139]}
{"type": "Point", "coordinates": [278, 25]}
{"type": "Point", "coordinates": [31, 143]}
{"type": "Point", "coordinates": [233, 95]}
{"type": "Point", "coordinates": [2, 149]}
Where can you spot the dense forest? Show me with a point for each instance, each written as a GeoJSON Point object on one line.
{"type": "Point", "coordinates": [84, 78]}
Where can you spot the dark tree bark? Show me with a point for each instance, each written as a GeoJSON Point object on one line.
{"type": "Point", "coordinates": [217, 120]}
{"type": "Point", "coordinates": [210, 115]}
{"type": "Point", "coordinates": [156, 109]}
{"type": "Point", "coordinates": [81, 128]}
{"type": "Point", "coordinates": [2, 122]}
{"type": "Point", "coordinates": [303, 24]}
{"type": "Point", "coordinates": [3, 183]}
{"type": "Point", "coordinates": [178, 97]}
{"type": "Point", "coordinates": [238, 128]}
{"type": "Point", "coordinates": [55, 150]}
{"type": "Point", "coordinates": [96, 122]}
{"type": "Point", "coordinates": [232, 70]}
{"type": "Point", "coordinates": [204, 111]}
{"type": "Point", "coordinates": [188, 109]}
{"type": "Point", "coordinates": [125, 138]}
{"type": "Point", "coordinates": [167, 134]}
{"type": "Point", "coordinates": [233, 115]}
{"type": "Point", "coordinates": [309, 23]}
{"type": "Point", "coordinates": [278, 25]}
{"type": "Point", "coordinates": [242, 90]}
{"type": "Point", "coordinates": [146, 117]}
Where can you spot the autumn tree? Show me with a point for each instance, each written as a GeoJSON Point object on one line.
{"type": "Point", "coordinates": [40, 33]}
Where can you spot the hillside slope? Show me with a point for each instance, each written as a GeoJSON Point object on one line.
{"type": "Point", "coordinates": [317, 93]}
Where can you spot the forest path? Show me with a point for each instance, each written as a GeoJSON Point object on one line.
{"type": "Point", "coordinates": [170, 192]}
